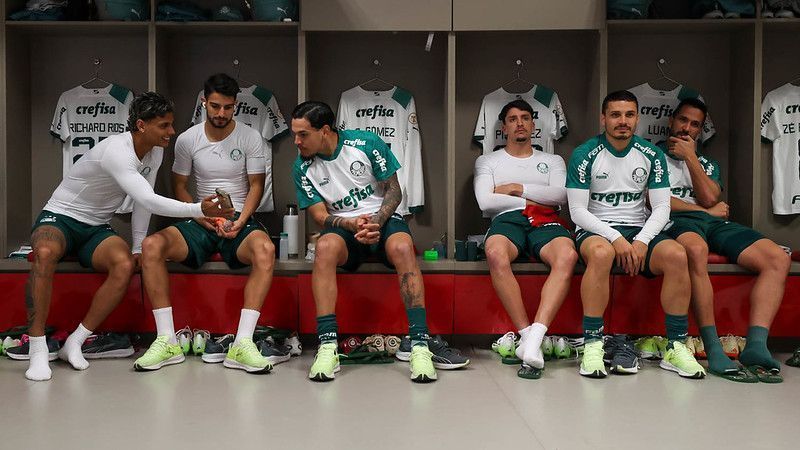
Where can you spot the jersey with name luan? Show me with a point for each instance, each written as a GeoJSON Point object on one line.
{"type": "Point", "coordinates": [349, 182]}
{"type": "Point", "coordinates": [618, 180]}
{"type": "Point", "coordinates": [392, 115]}
{"type": "Point", "coordinates": [680, 179]}
{"type": "Point", "coordinates": [224, 164]}
{"type": "Point", "coordinates": [549, 121]}
{"type": "Point", "coordinates": [655, 108]}
{"type": "Point", "coordinates": [257, 108]}
{"type": "Point", "coordinates": [780, 125]}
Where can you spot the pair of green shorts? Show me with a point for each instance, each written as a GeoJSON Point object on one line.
{"type": "Point", "coordinates": [628, 232]}
{"type": "Point", "coordinates": [203, 243]}
{"type": "Point", "coordinates": [358, 252]}
{"type": "Point", "coordinates": [723, 237]}
{"type": "Point", "coordinates": [528, 239]}
{"type": "Point", "coordinates": [82, 239]}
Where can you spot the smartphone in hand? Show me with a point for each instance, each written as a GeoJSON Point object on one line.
{"type": "Point", "coordinates": [224, 199]}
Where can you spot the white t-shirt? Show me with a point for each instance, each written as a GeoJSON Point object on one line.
{"type": "Point", "coordinates": [392, 115]}
{"type": "Point", "coordinates": [780, 125]}
{"type": "Point", "coordinates": [549, 121]}
{"type": "Point", "coordinates": [224, 164]}
{"type": "Point", "coordinates": [257, 108]}
{"type": "Point", "coordinates": [542, 175]}
{"type": "Point", "coordinates": [655, 108]}
{"type": "Point", "coordinates": [97, 184]}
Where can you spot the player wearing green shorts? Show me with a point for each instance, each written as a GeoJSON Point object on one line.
{"type": "Point", "coordinates": [700, 223]}
{"type": "Point", "coordinates": [75, 222]}
{"type": "Point", "coordinates": [607, 180]}
{"type": "Point", "coordinates": [226, 154]}
{"type": "Point", "coordinates": [520, 189]}
{"type": "Point", "coordinates": [347, 180]}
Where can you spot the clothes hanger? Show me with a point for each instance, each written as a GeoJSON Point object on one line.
{"type": "Point", "coordinates": [524, 85]}
{"type": "Point", "coordinates": [88, 84]}
{"type": "Point", "coordinates": [237, 70]}
{"type": "Point", "coordinates": [384, 85]}
{"type": "Point", "coordinates": [661, 63]}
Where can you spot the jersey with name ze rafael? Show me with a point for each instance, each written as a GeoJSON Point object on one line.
{"type": "Point", "coordinates": [224, 164]}
{"type": "Point", "coordinates": [780, 125]}
{"type": "Point", "coordinates": [349, 181]}
{"type": "Point", "coordinates": [680, 179]}
{"type": "Point", "coordinates": [618, 180]}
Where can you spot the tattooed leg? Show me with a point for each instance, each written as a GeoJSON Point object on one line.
{"type": "Point", "coordinates": [49, 246]}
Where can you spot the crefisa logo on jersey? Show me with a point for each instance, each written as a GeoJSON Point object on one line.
{"type": "Point", "coordinates": [145, 171]}
{"type": "Point", "coordinates": [236, 154]}
{"type": "Point", "coordinates": [97, 108]}
{"type": "Point", "coordinates": [542, 167]}
{"type": "Point", "coordinates": [375, 111]}
{"type": "Point", "coordinates": [358, 168]}
{"type": "Point", "coordinates": [639, 175]}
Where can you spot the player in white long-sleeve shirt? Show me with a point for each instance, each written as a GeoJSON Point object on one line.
{"type": "Point", "coordinates": [223, 154]}
{"type": "Point", "coordinates": [520, 189]}
{"type": "Point", "coordinates": [75, 222]}
{"type": "Point", "coordinates": [607, 180]}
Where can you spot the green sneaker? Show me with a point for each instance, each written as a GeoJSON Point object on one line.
{"type": "Point", "coordinates": [679, 359]}
{"type": "Point", "coordinates": [561, 347]}
{"type": "Point", "coordinates": [506, 345]}
{"type": "Point", "coordinates": [161, 353]}
{"type": "Point", "coordinates": [422, 370]}
{"type": "Point", "coordinates": [547, 348]}
{"type": "Point", "coordinates": [592, 364]}
{"type": "Point", "coordinates": [326, 363]}
{"type": "Point", "coordinates": [646, 346]}
{"type": "Point", "coordinates": [246, 356]}
{"type": "Point", "coordinates": [661, 345]}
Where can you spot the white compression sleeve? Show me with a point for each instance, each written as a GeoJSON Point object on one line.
{"type": "Point", "coordinates": [579, 212]}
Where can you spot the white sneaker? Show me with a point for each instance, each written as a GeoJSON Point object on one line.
{"type": "Point", "coordinates": [295, 347]}
{"type": "Point", "coordinates": [184, 337]}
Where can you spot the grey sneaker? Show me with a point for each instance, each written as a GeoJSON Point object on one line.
{"type": "Point", "coordinates": [20, 353]}
{"type": "Point", "coordinates": [404, 351]}
{"type": "Point", "coordinates": [444, 357]}
{"type": "Point", "coordinates": [108, 345]}
{"type": "Point", "coordinates": [217, 349]}
{"type": "Point", "coordinates": [275, 353]}
{"type": "Point", "coordinates": [621, 355]}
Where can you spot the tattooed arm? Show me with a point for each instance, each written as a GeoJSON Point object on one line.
{"type": "Point", "coordinates": [319, 213]}
{"type": "Point", "coordinates": [392, 195]}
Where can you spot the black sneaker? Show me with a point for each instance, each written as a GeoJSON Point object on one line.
{"type": "Point", "coordinates": [275, 353]}
{"type": "Point", "coordinates": [216, 349]}
{"type": "Point", "coordinates": [621, 355]}
{"type": "Point", "coordinates": [21, 353]}
{"type": "Point", "coordinates": [444, 357]}
{"type": "Point", "coordinates": [107, 345]}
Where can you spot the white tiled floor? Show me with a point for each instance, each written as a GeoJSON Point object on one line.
{"type": "Point", "coordinates": [196, 405]}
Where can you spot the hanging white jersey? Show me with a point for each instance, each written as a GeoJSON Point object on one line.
{"type": "Point", "coordinates": [257, 108]}
{"type": "Point", "coordinates": [680, 179]}
{"type": "Point", "coordinates": [224, 164]}
{"type": "Point", "coordinates": [86, 116]}
{"type": "Point", "coordinates": [549, 121]}
{"type": "Point", "coordinates": [617, 180]}
{"type": "Point", "coordinates": [655, 108]}
{"type": "Point", "coordinates": [349, 180]}
{"type": "Point", "coordinates": [392, 115]}
{"type": "Point", "coordinates": [780, 125]}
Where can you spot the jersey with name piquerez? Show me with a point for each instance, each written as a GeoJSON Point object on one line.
{"type": "Point", "coordinates": [349, 182]}
{"type": "Point", "coordinates": [392, 115]}
{"type": "Point", "coordinates": [780, 125]}
{"type": "Point", "coordinates": [617, 181]}
{"type": "Point", "coordinates": [680, 179]}
{"type": "Point", "coordinates": [257, 108]}
{"type": "Point", "coordinates": [655, 108]}
{"type": "Point", "coordinates": [549, 121]}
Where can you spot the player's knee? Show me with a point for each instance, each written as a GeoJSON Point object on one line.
{"type": "Point", "coordinates": [402, 251]}
{"type": "Point", "coordinates": [697, 252]}
{"type": "Point", "coordinates": [497, 257]}
{"type": "Point", "coordinates": [122, 266]}
{"type": "Point", "coordinates": [565, 259]}
{"type": "Point", "coordinates": [777, 261]}
{"type": "Point", "coordinates": [601, 254]}
{"type": "Point", "coordinates": [675, 258]}
{"type": "Point", "coordinates": [153, 247]}
{"type": "Point", "coordinates": [264, 254]}
{"type": "Point", "coordinates": [327, 248]}
{"type": "Point", "coordinates": [45, 255]}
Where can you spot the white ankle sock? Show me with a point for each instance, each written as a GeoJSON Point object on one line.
{"type": "Point", "coordinates": [533, 345]}
{"type": "Point", "coordinates": [71, 351]}
{"type": "Point", "coordinates": [164, 324]}
{"type": "Point", "coordinates": [247, 324]}
{"type": "Point", "coordinates": [39, 367]}
{"type": "Point", "coordinates": [523, 336]}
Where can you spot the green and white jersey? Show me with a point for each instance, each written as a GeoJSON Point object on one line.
{"type": "Point", "coordinates": [680, 180]}
{"type": "Point", "coordinates": [224, 164]}
{"type": "Point", "coordinates": [392, 115]}
{"type": "Point", "coordinates": [349, 182]}
{"type": "Point", "coordinates": [257, 108]}
{"type": "Point", "coordinates": [655, 108]}
{"type": "Point", "coordinates": [549, 121]}
{"type": "Point", "coordinates": [617, 181]}
{"type": "Point", "coordinates": [780, 125]}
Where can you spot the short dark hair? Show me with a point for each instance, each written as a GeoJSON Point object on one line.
{"type": "Point", "coordinates": [619, 96]}
{"type": "Point", "coordinates": [694, 103]}
{"type": "Point", "coordinates": [222, 84]}
{"type": "Point", "coordinates": [318, 114]}
{"type": "Point", "coordinates": [519, 104]}
{"type": "Point", "coordinates": [146, 106]}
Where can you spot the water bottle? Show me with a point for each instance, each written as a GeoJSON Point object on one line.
{"type": "Point", "coordinates": [283, 247]}
{"type": "Point", "coordinates": [290, 226]}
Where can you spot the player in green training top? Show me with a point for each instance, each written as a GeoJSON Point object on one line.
{"type": "Point", "coordinates": [699, 223]}
{"type": "Point", "coordinates": [347, 181]}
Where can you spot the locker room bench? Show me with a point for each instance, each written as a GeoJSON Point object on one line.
{"type": "Point", "coordinates": [459, 295]}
